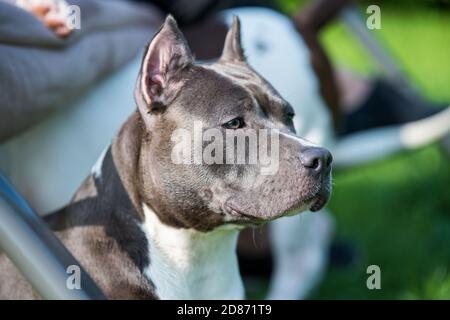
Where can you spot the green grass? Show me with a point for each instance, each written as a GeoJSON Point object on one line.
{"type": "Point", "coordinates": [396, 211]}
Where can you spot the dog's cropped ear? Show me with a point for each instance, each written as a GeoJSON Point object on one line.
{"type": "Point", "coordinates": [166, 54]}
{"type": "Point", "coordinates": [232, 50]}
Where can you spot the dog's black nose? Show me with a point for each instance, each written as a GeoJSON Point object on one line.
{"type": "Point", "coordinates": [316, 159]}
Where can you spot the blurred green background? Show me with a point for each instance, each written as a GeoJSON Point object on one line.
{"type": "Point", "coordinates": [396, 211]}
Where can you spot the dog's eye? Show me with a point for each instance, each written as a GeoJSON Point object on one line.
{"type": "Point", "coordinates": [236, 123]}
{"type": "Point", "coordinates": [291, 114]}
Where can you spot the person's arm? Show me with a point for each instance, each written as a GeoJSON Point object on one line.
{"type": "Point", "coordinates": [309, 21]}
{"type": "Point", "coordinates": [316, 14]}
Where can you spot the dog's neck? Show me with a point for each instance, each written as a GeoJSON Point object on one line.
{"type": "Point", "coordinates": [189, 264]}
{"type": "Point", "coordinates": [182, 263]}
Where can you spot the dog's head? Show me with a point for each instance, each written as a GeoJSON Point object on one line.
{"type": "Point", "coordinates": [219, 144]}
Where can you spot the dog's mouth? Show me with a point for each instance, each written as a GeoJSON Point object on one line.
{"type": "Point", "coordinates": [319, 201]}
{"type": "Point", "coordinates": [239, 214]}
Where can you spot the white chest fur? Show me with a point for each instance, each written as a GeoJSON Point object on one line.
{"type": "Point", "coordinates": [188, 264]}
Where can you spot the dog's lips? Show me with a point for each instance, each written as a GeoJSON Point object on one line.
{"type": "Point", "coordinates": [239, 209]}
{"type": "Point", "coordinates": [319, 201]}
{"type": "Point", "coordinates": [240, 216]}
{"type": "Point", "coordinates": [313, 203]}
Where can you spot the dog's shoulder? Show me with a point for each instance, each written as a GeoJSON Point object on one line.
{"type": "Point", "coordinates": [108, 259]}
{"type": "Point", "coordinates": [107, 245]}
{"type": "Point", "coordinates": [13, 284]}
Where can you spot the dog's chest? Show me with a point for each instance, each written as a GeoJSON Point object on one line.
{"type": "Point", "coordinates": [187, 264]}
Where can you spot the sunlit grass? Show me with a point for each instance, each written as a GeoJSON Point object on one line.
{"type": "Point", "coordinates": [397, 214]}
{"type": "Point", "coordinates": [419, 39]}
